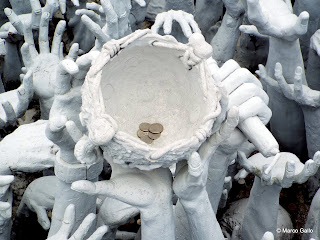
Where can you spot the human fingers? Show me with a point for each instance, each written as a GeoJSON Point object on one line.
{"type": "Point", "coordinates": [289, 174]}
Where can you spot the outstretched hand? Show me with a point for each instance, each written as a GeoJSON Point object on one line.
{"type": "Point", "coordinates": [283, 169]}
{"type": "Point", "coordinates": [185, 20]}
{"type": "Point", "coordinates": [15, 102]}
{"type": "Point", "coordinates": [298, 92]}
{"type": "Point", "coordinates": [191, 177]}
{"type": "Point", "coordinates": [107, 21]}
{"type": "Point", "coordinates": [275, 18]}
{"type": "Point", "coordinates": [17, 23]}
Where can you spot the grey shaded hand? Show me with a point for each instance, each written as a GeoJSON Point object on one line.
{"type": "Point", "coordinates": [298, 92]}
{"type": "Point", "coordinates": [108, 21]}
{"type": "Point", "coordinates": [15, 102]}
{"type": "Point", "coordinates": [185, 20]}
{"type": "Point", "coordinates": [39, 197]}
{"type": "Point", "coordinates": [275, 18]}
{"type": "Point", "coordinates": [285, 171]}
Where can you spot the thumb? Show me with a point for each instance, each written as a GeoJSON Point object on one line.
{"type": "Point", "coordinates": [42, 216]}
{"type": "Point", "coordinates": [84, 186]}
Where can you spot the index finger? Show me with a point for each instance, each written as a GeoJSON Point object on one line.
{"type": "Point", "coordinates": [186, 29]}
{"type": "Point", "coordinates": [160, 18]}
{"type": "Point", "coordinates": [14, 19]}
{"type": "Point", "coordinates": [36, 13]}
{"type": "Point", "coordinates": [287, 91]}
{"type": "Point", "coordinates": [289, 174]}
{"type": "Point", "coordinates": [109, 11]}
{"type": "Point", "coordinates": [63, 6]}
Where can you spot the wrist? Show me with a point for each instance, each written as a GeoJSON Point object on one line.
{"type": "Point", "coordinates": [233, 18]}
{"type": "Point", "coordinates": [267, 193]}
{"type": "Point", "coordinates": [193, 205]}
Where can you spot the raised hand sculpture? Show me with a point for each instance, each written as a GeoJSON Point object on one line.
{"type": "Point", "coordinates": [15, 102]}
{"type": "Point", "coordinates": [276, 20]}
{"type": "Point", "coordinates": [190, 185]}
{"type": "Point", "coordinates": [308, 99]}
{"type": "Point", "coordinates": [236, 81]}
{"type": "Point", "coordinates": [65, 130]}
{"type": "Point", "coordinates": [272, 174]}
{"type": "Point", "coordinates": [228, 74]}
{"type": "Point", "coordinates": [225, 40]}
{"type": "Point", "coordinates": [22, 13]}
{"type": "Point", "coordinates": [104, 28]}
{"type": "Point", "coordinates": [186, 20]}
{"type": "Point", "coordinates": [48, 65]}
{"type": "Point", "coordinates": [110, 20]}
{"type": "Point", "coordinates": [313, 24]}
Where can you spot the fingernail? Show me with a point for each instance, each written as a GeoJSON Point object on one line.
{"type": "Point", "coordinates": [8, 11]}
{"type": "Point", "coordinates": [195, 160]}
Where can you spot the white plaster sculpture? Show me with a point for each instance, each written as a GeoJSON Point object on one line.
{"type": "Point", "coordinates": [102, 137]}
{"type": "Point", "coordinates": [225, 40]}
{"type": "Point", "coordinates": [39, 197]}
{"type": "Point", "coordinates": [287, 122]}
{"type": "Point", "coordinates": [311, 6]}
{"type": "Point", "coordinates": [31, 154]}
{"type": "Point", "coordinates": [272, 174]}
{"type": "Point", "coordinates": [15, 102]}
{"type": "Point", "coordinates": [124, 16]}
{"type": "Point", "coordinates": [208, 114]}
{"type": "Point", "coordinates": [60, 89]}
{"type": "Point", "coordinates": [64, 151]}
{"type": "Point", "coordinates": [303, 95]}
{"type": "Point", "coordinates": [26, 12]}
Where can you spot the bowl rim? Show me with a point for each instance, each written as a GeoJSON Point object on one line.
{"type": "Point", "coordinates": [93, 104]}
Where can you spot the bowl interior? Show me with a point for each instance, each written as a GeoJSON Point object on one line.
{"type": "Point", "coordinates": [151, 84]}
